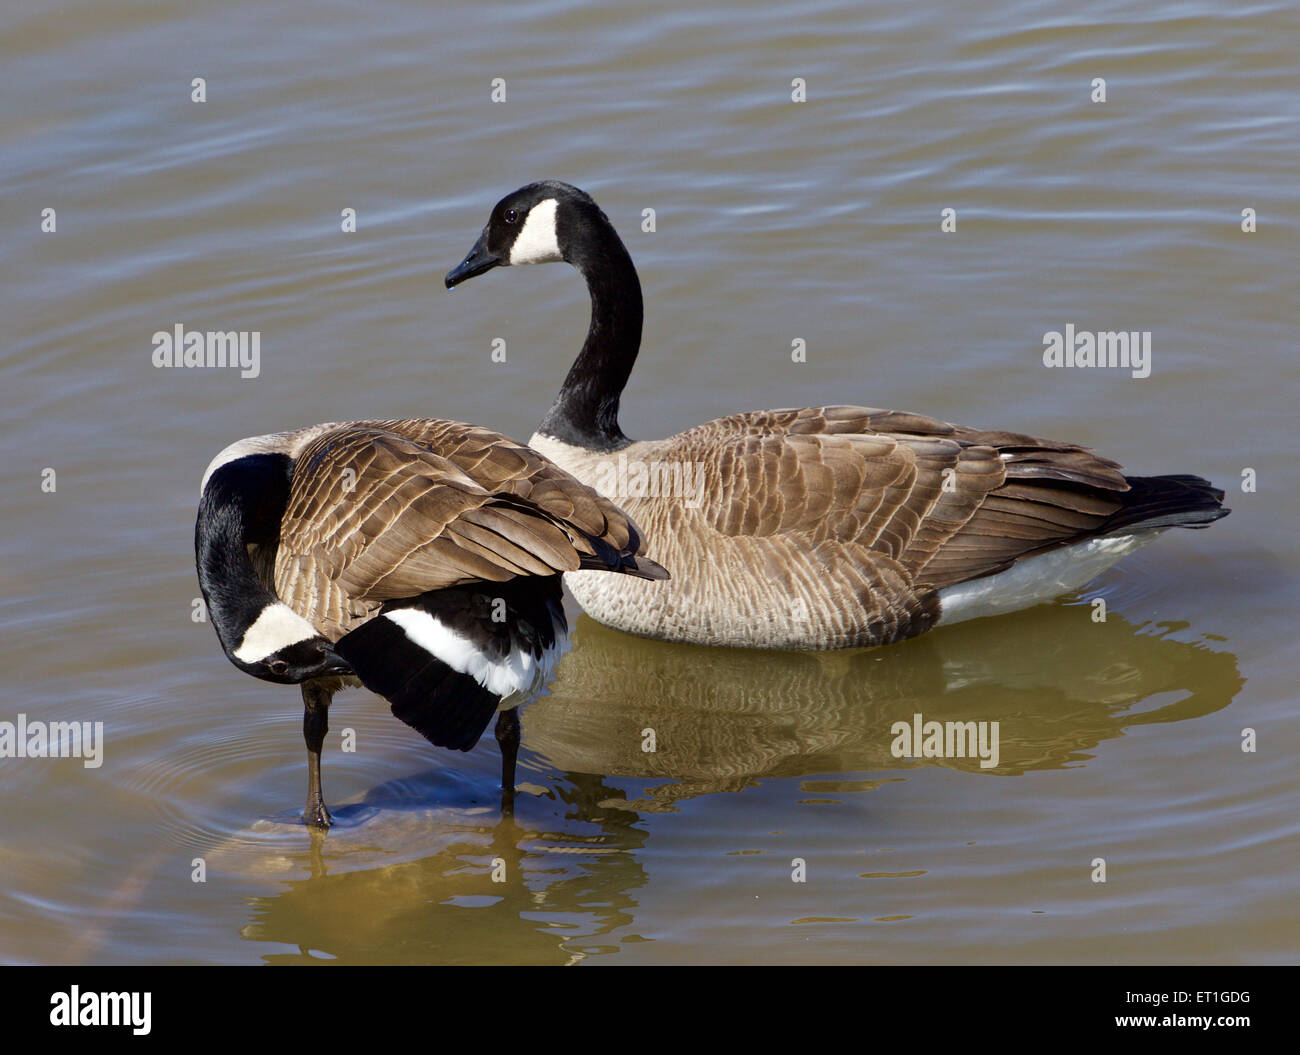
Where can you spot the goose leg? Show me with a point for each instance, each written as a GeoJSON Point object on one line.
{"type": "Point", "coordinates": [315, 724]}
{"type": "Point", "coordinates": [508, 737]}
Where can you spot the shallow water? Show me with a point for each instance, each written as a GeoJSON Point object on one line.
{"type": "Point", "coordinates": [775, 221]}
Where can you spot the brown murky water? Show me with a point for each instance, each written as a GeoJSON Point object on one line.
{"type": "Point", "coordinates": [775, 221]}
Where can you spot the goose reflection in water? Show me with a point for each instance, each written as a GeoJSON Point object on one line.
{"type": "Point", "coordinates": [1058, 684]}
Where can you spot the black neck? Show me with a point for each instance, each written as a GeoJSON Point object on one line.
{"type": "Point", "coordinates": [241, 505]}
{"type": "Point", "coordinates": [586, 410]}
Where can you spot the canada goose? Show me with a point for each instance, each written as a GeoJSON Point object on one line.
{"type": "Point", "coordinates": [817, 527]}
{"type": "Point", "coordinates": [419, 558]}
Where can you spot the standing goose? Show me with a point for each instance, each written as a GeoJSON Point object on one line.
{"type": "Point", "coordinates": [419, 558]}
{"type": "Point", "coordinates": [818, 527]}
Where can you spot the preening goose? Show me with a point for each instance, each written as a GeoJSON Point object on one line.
{"type": "Point", "coordinates": [817, 527]}
{"type": "Point", "coordinates": [419, 558]}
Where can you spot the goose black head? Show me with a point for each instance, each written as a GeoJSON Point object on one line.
{"type": "Point", "coordinates": [282, 647]}
{"type": "Point", "coordinates": [537, 224]}
{"type": "Point", "coordinates": [299, 662]}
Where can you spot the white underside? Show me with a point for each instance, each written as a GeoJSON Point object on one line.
{"type": "Point", "coordinates": [517, 672]}
{"type": "Point", "coordinates": [279, 626]}
{"type": "Point", "coordinates": [1036, 580]}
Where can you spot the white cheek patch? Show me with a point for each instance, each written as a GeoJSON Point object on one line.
{"type": "Point", "coordinates": [517, 672]}
{"type": "Point", "coordinates": [279, 626]}
{"type": "Point", "coordinates": [537, 242]}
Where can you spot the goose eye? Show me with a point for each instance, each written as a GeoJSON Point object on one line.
{"type": "Point", "coordinates": [277, 666]}
{"type": "Point", "coordinates": [511, 216]}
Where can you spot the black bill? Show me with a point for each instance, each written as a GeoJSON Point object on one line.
{"type": "Point", "coordinates": [480, 259]}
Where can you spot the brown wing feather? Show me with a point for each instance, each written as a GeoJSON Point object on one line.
{"type": "Point", "coordinates": [944, 503]}
{"type": "Point", "coordinates": [388, 509]}
{"type": "Point", "coordinates": [500, 464]}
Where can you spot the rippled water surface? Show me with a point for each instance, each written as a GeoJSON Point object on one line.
{"type": "Point", "coordinates": [775, 220]}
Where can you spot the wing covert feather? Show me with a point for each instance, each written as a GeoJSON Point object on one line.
{"type": "Point", "coordinates": [389, 509]}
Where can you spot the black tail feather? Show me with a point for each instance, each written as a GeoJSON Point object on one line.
{"type": "Point", "coordinates": [628, 562]}
{"type": "Point", "coordinates": [1167, 501]}
{"type": "Point", "coordinates": [447, 708]}
{"type": "Point", "coordinates": [640, 566]}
